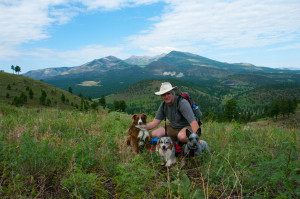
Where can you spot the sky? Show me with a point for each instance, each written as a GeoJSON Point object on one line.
{"type": "Point", "coordinates": [38, 34]}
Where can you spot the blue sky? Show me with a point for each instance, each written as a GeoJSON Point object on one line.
{"type": "Point", "coordinates": [37, 34]}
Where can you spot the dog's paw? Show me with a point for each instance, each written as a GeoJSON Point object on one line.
{"type": "Point", "coordinates": [170, 163]}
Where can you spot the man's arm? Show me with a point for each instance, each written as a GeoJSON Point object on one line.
{"type": "Point", "coordinates": [153, 124]}
{"type": "Point", "coordinates": [195, 126]}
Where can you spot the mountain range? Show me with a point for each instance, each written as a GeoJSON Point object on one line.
{"type": "Point", "coordinates": [110, 74]}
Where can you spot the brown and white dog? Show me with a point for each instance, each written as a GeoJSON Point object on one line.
{"type": "Point", "coordinates": [138, 134]}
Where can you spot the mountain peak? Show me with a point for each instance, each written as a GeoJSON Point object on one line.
{"type": "Point", "coordinates": [142, 60]}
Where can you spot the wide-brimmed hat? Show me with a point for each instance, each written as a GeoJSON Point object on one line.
{"type": "Point", "coordinates": [165, 87]}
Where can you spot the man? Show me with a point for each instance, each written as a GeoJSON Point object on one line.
{"type": "Point", "coordinates": [180, 119]}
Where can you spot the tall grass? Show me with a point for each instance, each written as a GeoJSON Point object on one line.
{"type": "Point", "coordinates": [70, 154]}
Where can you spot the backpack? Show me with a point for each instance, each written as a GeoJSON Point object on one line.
{"type": "Point", "coordinates": [195, 108]}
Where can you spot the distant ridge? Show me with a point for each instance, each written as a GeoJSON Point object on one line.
{"type": "Point", "coordinates": [97, 65]}
{"type": "Point", "coordinates": [183, 60]}
{"type": "Point", "coordinates": [46, 73]}
{"type": "Point", "coordinates": [110, 74]}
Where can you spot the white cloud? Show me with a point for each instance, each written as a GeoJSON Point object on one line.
{"type": "Point", "coordinates": [114, 4]}
{"type": "Point", "coordinates": [286, 47]}
{"type": "Point", "coordinates": [23, 21]}
{"type": "Point", "coordinates": [76, 57]}
{"type": "Point", "coordinates": [45, 58]}
{"type": "Point", "coordinates": [26, 21]}
{"type": "Point", "coordinates": [160, 49]}
{"type": "Point", "coordinates": [223, 24]}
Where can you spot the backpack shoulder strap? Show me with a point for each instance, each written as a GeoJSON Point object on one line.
{"type": "Point", "coordinates": [164, 109]}
{"type": "Point", "coordinates": [165, 117]}
{"type": "Point", "coordinates": [177, 103]}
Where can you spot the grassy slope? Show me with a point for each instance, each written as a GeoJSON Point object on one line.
{"type": "Point", "coordinates": [66, 154]}
{"type": "Point", "coordinates": [19, 84]}
{"type": "Point", "coordinates": [283, 122]}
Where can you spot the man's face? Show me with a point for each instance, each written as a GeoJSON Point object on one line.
{"type": "Point", "coordinates": [168, 98]}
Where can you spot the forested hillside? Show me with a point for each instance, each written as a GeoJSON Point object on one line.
{"type": "Point", "coordinates": [23, 91]}
{"type": "Point", "coordinates": [140, 97]}
{"type": "Point", "coordinates": [211, 98]}
{"type": "Point", "coordinates": [255, 100]}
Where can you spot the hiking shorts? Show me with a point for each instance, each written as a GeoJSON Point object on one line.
{"type": "Point", "coordinates": [174, 132]}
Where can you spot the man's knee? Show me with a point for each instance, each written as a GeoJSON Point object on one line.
{"type": "Point", "coordinates": [182, 136]}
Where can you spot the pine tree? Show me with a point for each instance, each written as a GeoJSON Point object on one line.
{"type": "Point", "coordinates": [30, 94]}
{"type": "Point", "coordinates": [116, 105]}
{"type": "Point", "coordinates": [266, 110]}
{"type": "Point", "coordinates": [102, 101]}
{"type": "Point", "coordinates": [63, 98]}
{"type": "Point", "coordinates": [13, 68]}
{"type": "Point", "coordinates": [275, 108]}
{"type": "Point", "coordinates": [43, 97]}
{"type": "Point", "coordinates": [231, 110]}
{"type": "Point", "coordinates": [122, 105]}
{"type": "Point", "coordinates": [283, 106]}
{"type": "Point", "coordinates": [18, 69]}
{"type": "Point", "coordinates": [48, 102]}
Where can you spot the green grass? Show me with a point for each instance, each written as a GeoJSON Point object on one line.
{"type": "Point", "coordinates": [73, 154]}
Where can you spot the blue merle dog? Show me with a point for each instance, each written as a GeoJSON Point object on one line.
{"type": "Point", "coordinates": [193, 148]}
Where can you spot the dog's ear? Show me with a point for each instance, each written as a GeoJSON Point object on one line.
{"type": "Point", "coordinates": [144, 116]}
{"type": "Point", "coordinates": [158, 141]}
{"type": "Point", "coordinates": [170, 140]}
{"type": "Point", "coordinates": [188, 132]}
{"type": "Point", "coordinates": [134, 116]}
{"type": "Point", "coordinates": [199, 131]}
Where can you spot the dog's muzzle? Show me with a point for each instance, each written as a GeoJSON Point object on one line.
{"type": "Point", "coordinates": [164, 148]}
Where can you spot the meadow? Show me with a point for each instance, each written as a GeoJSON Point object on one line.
{"type": "Point", "coordinates": [50, 153]}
